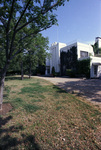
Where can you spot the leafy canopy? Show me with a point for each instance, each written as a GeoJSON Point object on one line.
{"type": "Point", "coordinates": [20, 19]}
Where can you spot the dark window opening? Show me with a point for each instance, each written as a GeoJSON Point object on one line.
{"type": "Point", "coordinates": [83, 54]}
{"type": "Point", "coordinates": [95, 70]}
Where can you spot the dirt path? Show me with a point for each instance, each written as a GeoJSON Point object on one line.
{"type": "Point", "coordinates": [88, 88]}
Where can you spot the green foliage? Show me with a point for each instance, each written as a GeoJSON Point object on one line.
{"type": "Point", "coordinates": [15, 65]}
{"type": "Point", "coordinates": [71, 67]}
{"type": "Point", "coordinates": [83, 68]}
{"type": "Point", "coordinates": [71, 73]}
{"type": "Point", "coordinates": [36, 54]}
{"type": "Point", "coordinates": [68, 60]}
{"type": "Point", "coordinates": [20, 22]}
{"type": "Point", "coordinates": [96, 49]}
{"type": "Point", "coordinates": [32, 58]}
{"type": "Point", "coordinates": [53, 71]}
{"type": "Point", "coordinates": [57, 74]}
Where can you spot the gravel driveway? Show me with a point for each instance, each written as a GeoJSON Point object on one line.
{"type": "Point", "coordinates": [88, 88]}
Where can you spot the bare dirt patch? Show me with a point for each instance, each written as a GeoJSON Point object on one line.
{"type": "Point", "coordinates": [6, 107]}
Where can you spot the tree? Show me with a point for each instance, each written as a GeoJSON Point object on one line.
{"type": "Point", "coordinates": [69, 60]}
{"type": "Point", "coordinates": [97, 51]}
{"type": "Point", "coordinates": [53, 71]}
{"type": "Point", "coordinates": [36, 52]}
{"type": "Point", "coordinates": [25, 18]}
{"type": "Point", "coordinates": [33, 56]}
{"type": "Point", "coordinates": [83, 67]}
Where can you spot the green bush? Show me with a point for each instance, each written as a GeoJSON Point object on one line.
{"type": "Point", "coordinates": [68, 60]}
{"type": "Point", "coordinates": [53, 72]}
{"type": "Point", "coordinates": [83, 68]}
{"type": "Point", "coordinates": [57, 74]}
{"type": "Point", "coordinates": [70, 73]}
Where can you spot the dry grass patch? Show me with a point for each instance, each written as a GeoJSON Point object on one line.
{"type": "Point", "coordinates": [45, 117]}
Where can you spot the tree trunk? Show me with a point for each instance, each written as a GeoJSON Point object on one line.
{"type": "Point", "coordinates": [30, 72]}
{"type": "Point", "coordinates": [21, 70]}
{"type": "Point", "coordinates": [1, 91]}
{"type": "Point", "coordinates": [29, 66]}
{"type": "Point", "coordinates": [2, 80]}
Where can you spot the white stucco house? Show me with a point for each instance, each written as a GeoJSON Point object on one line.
{"type": "Point", "coordinates": [54, 59]}
{"type": "Point", "coordinates": [84, 51]}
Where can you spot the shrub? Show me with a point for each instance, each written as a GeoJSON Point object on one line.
{"type": "Point", "coordinates": [70, 73]}
{"type": "Point", "coordinates": [57, 74]}
{"type": "Point", "coordinates": [84, 67]}
{"type": "Point", "coordinates": [53, 71]}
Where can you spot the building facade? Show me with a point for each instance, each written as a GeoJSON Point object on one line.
{"type": "Point", "coordinates": [84, 51]}
{"type": "Point", "coordinates": [54, 60]}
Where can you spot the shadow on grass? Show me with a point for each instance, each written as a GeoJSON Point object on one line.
{"type": "Point", "coordinates": [7, 141]}
{"type": "Point", "coordinates": [96, 100]}
{"type": "Point", "coordinates": [90, 88]}
{"type": "Point", "coordinates": [5, 120]}
{"type": "Point", "coordinates": [59, 90]}
{"type": "Point", "coordinates": [14, 78]}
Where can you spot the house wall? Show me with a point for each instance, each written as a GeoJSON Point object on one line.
{"type": "Point", "coordinates": [84, 48]}
{"type": "Point", "coordinates": [66, 48]}
{"type": "Point", "coordinates": [56, 48]}
{"type": "Point", "coordinates": [55, 56]}
{"type": "Point", "coordinates": [47, 62]}
{"type": "Point", "coordinates": [80, 47]}
{"type": "Point", "coordinates": [47, 71]}
{"type": "Point", "coordinates": [95, 61]}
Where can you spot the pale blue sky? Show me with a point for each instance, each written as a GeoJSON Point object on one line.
{"type": "Point", "coordinates": [79, 20]}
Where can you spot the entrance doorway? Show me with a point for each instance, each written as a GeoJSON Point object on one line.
{"type": "Point", "coordinates": [95, 70]}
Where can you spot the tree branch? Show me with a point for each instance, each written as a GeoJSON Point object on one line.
{"type": "Point", "coordinates": [3, 22]}
{"type": "Point", "coordinates": [10, 15]}
{"type": "Point", "coordinates": [51, 7]}
{"type": "Point", "coordinates": [34, 33]}
{"type": "Point", "coordinates": [13, 37]}
{"type": "Point", "coordinates": [42, 12]}
{"type": "Point", "coordinates": [22, 14]}
{"type": "Point", "coordinates": [15, 54]}
{"type": "Point", "coordinates": [7, 29]}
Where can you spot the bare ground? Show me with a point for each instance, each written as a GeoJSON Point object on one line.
{"type": "Point", "coordinates": [6, 107]}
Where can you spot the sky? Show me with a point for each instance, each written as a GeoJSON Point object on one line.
{"type": "Point", "coordinates": [79, 20]}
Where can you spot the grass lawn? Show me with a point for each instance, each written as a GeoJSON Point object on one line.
{"type": "Point", "coordinates": [44, 117]}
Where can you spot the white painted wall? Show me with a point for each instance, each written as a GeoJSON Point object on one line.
{"type": "Point", "coordinates": [80, 47]}
{"type": "Point", "coordinates": [66, 48]}
{"type": "Point", "coordinates": [86, 48]}
{"type": "Point", "coordinates": [47, 62]}
{"type": "Point", "coordinates": [95, 61]}
{"type": "Point", "coordinates": [55, 56]}
{"type": "Point", "coordinates": [47, 66]}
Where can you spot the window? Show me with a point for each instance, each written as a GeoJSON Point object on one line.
{"type": "Point", "coordinates": [83, 54]}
